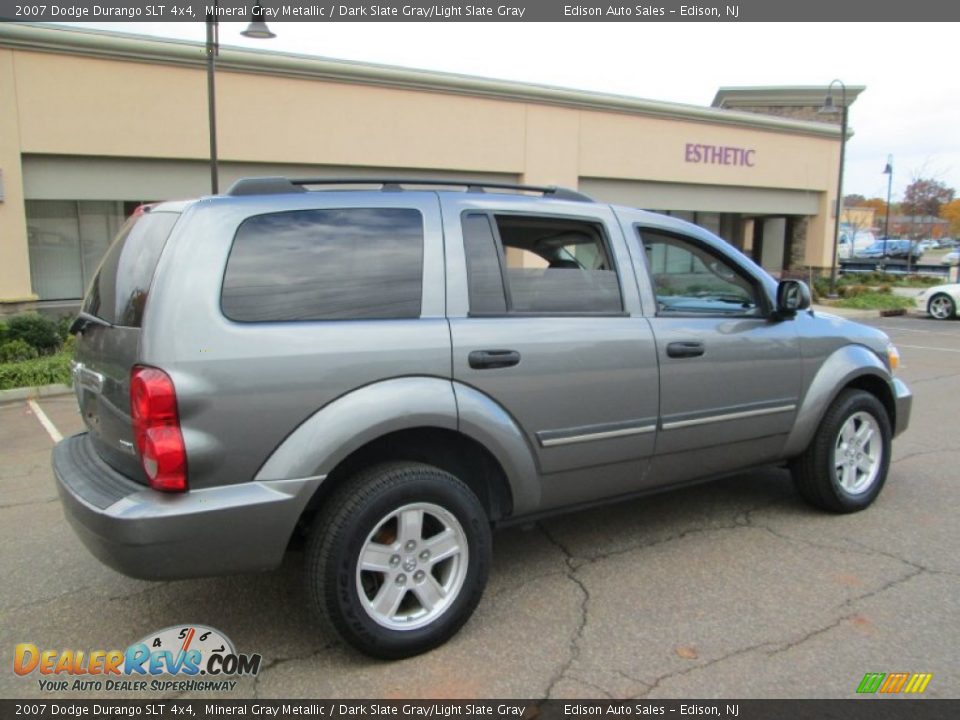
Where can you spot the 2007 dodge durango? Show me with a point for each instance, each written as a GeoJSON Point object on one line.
{"type": "Point", "coordinates": [390, 369]}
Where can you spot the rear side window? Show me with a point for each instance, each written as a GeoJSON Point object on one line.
{"type": "Point", "coordinates": [529, 264]}
{"type": "Point", "coordinates": [343, 264]}
{"type": "Point", "coordinates": [118, 293]}
{"type": "Point", "coordinates": [483, 265]}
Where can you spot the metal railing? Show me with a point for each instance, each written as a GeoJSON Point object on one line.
{"type": "Point", "coordinates": [894, 267]}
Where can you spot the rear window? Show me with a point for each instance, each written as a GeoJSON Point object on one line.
{"type": "Point", "coordinates": [343, 264]}
{"type": "Point", "coordinates": [118, 293]}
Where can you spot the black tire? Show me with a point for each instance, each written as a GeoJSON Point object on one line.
{"type": "Point", "coordinates": [815, 472]}
{"type": "Point", "coordinates": [944, 301]}
{"type": "Point", "coordinates": [342, 530]}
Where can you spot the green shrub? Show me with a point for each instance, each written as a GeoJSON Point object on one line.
{"type": "Point", "coordinates": [63, 326]}
{"type": "Point", "coordinates": [821, 288]}
{"type": "Point", "coordinates": [3, 331]}
{"type": "Point", "coordinates": [32, 373]}
{"type": "Point", "coordinates": [35, 330]}
{"type": "Point", "coordinates": [876, 301]}
{"type": "Point", "coordinates": [17, 351]}
{"type": "Point", "coordinates": [874, 277]}
{"type": "Point", "coordinates": [919, 281]}
{"type": "Point", "coordinates": [850, 291]}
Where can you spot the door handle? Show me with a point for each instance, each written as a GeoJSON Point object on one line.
{"type": "Point", "coordinates": [685, 349]}
{"type": "Point", "coordinates": [491, 359]}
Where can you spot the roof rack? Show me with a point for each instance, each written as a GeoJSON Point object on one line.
{"type": "Point", "coordinates": [281, 185]}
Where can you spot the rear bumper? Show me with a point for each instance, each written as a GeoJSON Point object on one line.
{"type": "Point", "coordinates": [152, 535]}
{"type": "Point", "coordinates": [904, 403]}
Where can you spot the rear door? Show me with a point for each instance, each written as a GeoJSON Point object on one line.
{"type": "Point", "coordinates": [545, 320]}
{"type": "Point", "coordinates": [109, 336]}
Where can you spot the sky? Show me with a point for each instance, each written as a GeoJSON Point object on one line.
{"type": "Point", "coordinates": [910, 108]}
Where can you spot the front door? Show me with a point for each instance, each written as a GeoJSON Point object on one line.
{"type": "Point", "coordinates": [730, 375]}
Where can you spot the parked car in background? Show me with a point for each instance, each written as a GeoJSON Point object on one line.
{"type": "Point", "coordinates": [852, 242]}
{"type": "Point", "coordinates": [951, 258]}
{"type": "Point", "coordinates": [940, 301]}
{"type": "Point", "coordinates": [928, 244]}
{"type": "Point", "coordinates": [947, 243]}
{"type": "Point", "coordinates": [892, 249]}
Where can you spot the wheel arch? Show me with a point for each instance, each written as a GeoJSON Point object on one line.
{"type": "Point", "coordinates": [852, 366]}
{"type": "Point", "coordinates": [449, 450]}
{"type": "Point", "coordinates": [423, 419]}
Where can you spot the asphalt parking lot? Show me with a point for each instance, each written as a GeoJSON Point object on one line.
{"type": "Point", "coordinates": [732, 589]}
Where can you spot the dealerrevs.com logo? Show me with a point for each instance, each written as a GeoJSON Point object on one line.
{"type": "Point", "coordinates": [189, 657]}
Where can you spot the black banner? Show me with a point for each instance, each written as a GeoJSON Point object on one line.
{"type": "Point", "coordinates": [856, 709]}
{"type": "Point", "coordinates": [480, 11]}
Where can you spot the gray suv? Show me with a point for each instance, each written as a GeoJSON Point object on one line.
{"type": "Point", "coordinates": [385, 371]}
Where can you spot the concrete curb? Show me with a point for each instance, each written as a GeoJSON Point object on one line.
{"type": "Point", "coordinates": [853, 314]}
{"type": "Point", "coordinates": [34, 392]}
{"type": "Point", "coordinates": [846, 312]}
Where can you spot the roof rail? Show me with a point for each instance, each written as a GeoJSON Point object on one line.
{"type": "Point", "coordinates": [279, 185]}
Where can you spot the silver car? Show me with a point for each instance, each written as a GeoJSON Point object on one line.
{"type": "Point", "coordinates": [387, 373]}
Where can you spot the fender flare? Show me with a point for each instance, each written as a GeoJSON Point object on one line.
{"type": "Point", "coordinates": [487, 422]}
{"type": "Point", "coordinates": [839, 369]}
{"type": "Point", "coordinates": [341, 427]}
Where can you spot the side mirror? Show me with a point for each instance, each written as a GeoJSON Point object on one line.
{"type": "Point", "coordinates": [792, 297]}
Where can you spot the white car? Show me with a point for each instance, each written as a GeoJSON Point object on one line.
{"type": "Point", "coordinates": [951, 258]}
{"type": "Point", "coordinates": [940, 301]}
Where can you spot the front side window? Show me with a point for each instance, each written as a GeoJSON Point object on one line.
{"type": "Point", "coordinates": [689, 279]}
{"type": "Point", "coordinates": [526, 264]}
{"type": "Point", "coordinates": [342, 264]}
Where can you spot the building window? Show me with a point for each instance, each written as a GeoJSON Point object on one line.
{"type": "Point", "coordinates": [66, 240]}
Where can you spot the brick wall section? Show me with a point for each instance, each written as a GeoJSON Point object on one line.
{"type": "Point", "coordinates": [806, 112]}
{"type": "Point", "coordinates": [797, 244]}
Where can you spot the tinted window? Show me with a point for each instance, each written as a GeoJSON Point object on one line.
{"type": "Point", "coordinates": [552, 265]}
{"type": "Point", "coordinates": [687, 278]}
{"type": "Point", "coordinates": [345, 264]}
{"type": "Point", "coordinates": [485, 280]}
{"type": "Point", "coordinates": [119, 290]}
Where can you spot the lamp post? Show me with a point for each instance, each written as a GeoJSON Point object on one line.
{"type": "Point", "coordinates": [257, 29]}
{"type": "Point", "coordinates": [888, 171]}
{"type": "Point", "coordinates": [829, 108]}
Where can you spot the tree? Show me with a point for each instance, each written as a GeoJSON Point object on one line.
{"type": "Point", "coordinates": [924, 197]}
{"type": "Point", "coordinates": [951, 213]}
{"type": "Point", "coordinates": [853, 200]}
{"type": "Point", "coordinates": [855, 222]}
{"type": "Point", "coordinates": [878, 204]}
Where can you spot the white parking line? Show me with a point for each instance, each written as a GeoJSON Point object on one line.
{"type": "Point", "coordinates": [927, 347]}
{"type": "Point", "coordinates": [913, 330]}
{"type": "Point", "coordinates": [45, 421]}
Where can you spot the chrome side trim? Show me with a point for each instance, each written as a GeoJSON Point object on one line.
{"type": "Point", "coordinates": [85, 377]}
{"type": "Point", "coordinates": [589, 437]}
{"type": "Point", "coordinates": [677, 424]}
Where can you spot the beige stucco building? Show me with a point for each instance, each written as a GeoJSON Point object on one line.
{"type": "Point", "coordinates": [92, 124]}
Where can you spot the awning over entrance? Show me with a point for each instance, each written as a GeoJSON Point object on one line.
{"type": "Point", "coordinates": [702, 198]}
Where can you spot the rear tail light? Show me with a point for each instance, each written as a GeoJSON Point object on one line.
{"type": "Point", "coordinates": [156, 429]}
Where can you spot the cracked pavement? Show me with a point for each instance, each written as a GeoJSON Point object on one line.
{"type": "Point", "coordinates": [727, 589]}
